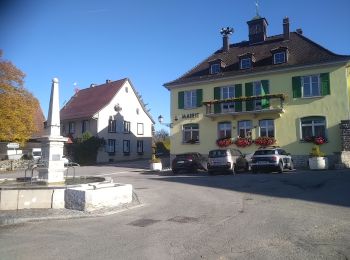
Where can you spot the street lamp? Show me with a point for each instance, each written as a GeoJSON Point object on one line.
{"type": "Point", "coordinates": [161, 119]}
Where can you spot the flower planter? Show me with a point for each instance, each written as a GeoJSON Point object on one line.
{"type": "Point", "coordinates": [155, 166]}
{"type": "Point", "coordinates": [318, 163]}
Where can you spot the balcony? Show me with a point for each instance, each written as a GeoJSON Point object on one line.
{"type": "Point", "coordinates": [270, 104]}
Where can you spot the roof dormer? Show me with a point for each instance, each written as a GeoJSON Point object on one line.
{"type": "Point", "coordinates": [280, 55]}
{"type": "Point", "coordinates": [246, 60]}
{"type": "Point", "coordinates": [216, 66]}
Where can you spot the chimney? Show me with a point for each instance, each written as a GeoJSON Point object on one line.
{"type": "Point", "coordinates": [300, 31]}
{"type": "Point", "coordinates": [225, 32]}
{"type": "Point", "coordinates": [92, 85]}
{"type": "Point", "coordinates": [286, 33]}
{"type": "Point", "coordinates": [108, 81]}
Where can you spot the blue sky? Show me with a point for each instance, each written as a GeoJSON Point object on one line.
{"type": "Point", "coordinates": [149, 41]}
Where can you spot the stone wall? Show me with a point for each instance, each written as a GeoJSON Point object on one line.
{"type": "Point", "coordinates": [10, 165]}
{"type": "Point", "coordinates": [345, 134]}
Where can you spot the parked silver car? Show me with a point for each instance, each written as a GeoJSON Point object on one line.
{"type": "Point", "coordinates": [226, 160]}
{"type": "Point", "coordinates": [271, 159]}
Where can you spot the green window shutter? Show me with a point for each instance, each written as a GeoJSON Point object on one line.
{"type": "Point", "coordinates": [249, 93]}
{"type": "Point", "coordinates": [325, 84]}
{"type": "Point", "coordinates": [199, 97]}
{"type": "Point", "coordinates": [296, 85]}
{"type": "Point", "coordinates": [238, 93]}
{"type": "Point", "coordinates": [217, 96]}
{"type": "Point", "coordinates": [181, 100]}
{"type": "Point", "coordinates": [265, 102]}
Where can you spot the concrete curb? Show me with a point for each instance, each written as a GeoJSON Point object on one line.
{"type": "Point", "coordinates": [23, 216]}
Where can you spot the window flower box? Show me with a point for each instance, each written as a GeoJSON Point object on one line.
{"type": "Point", "coordinates": [224, 142]}
{"type": "Point", "coordinates": [243, 142]}
{"type": "Point", "coordinates": [265, 141]}
{"type": "Point", "coordinates": [318, 140]}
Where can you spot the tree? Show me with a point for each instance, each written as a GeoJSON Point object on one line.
{"type": "Point", "coordinates": [17, 105]}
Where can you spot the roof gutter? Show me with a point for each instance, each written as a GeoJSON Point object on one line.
{"type": "Point", "coordinates": [171, 86]}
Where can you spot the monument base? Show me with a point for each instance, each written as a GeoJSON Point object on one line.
{"type": "Point", "coordinates": [51, 175]}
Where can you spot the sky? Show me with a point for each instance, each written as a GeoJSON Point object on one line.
{"type": "Point", "coordinates": [151, 42]}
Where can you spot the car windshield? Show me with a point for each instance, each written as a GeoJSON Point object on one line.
{"type": "Point", "coordinates": [184, 156]}
{"type": "Point", "coordinates": [264, 152]}
{"type": "Point", "coordinates": [217, 153]}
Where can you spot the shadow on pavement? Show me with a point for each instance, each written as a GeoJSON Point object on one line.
{"type": "Point", "coordinates": [331, 187]}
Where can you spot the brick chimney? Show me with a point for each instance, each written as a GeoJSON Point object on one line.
{"type": "Point", "coordinates": [286, 32]}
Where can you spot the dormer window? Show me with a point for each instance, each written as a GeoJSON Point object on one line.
{"type": "Point", "coordinates": [280, 55]}
{"type": "Point", "coordinates": [215, 68]}
{"type": "Point", "coordinates": [245, 63]}
{"type": "Point", "coordinates": [246, 60]}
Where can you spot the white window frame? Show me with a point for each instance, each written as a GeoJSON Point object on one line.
{"type": "Point", "coordinates": [84, 126]}
{"type": "Point", "coordinates": [279, 57]}
{"type": "Point", "coordinates": [140, 146]}
{"type": "Point", "coordinates": [127, 127]}
{"type": "Point", "coordinates": [71, 127]}
{"type": "Point", "coordinates": [193, 129]}
{"type": "Point", "coordinates": [245, 63]}
{"type": "Point", "coordinates": [308, 79]}
{"type": "Point", "coordinates": [257, 91]}
{"type": "Point", "coordinates": [112, 126]}
{"type": "Point", "coordinates": [140, 129]}
{"type": "Point", "coordinates": [126, 147]}
{"type": "Point", "coordinates": [190, 99]}
{"type": "Point", "coordinates": [264, 125]}
{"type": "Point", "coordinates": [313, 125]}
{"type": "Point", "coordinates": [245, 125]}
{"type": "Point", "coordinates": [215, 68]}
{"type": "Point", "coordinates": [226, 127]}
{"type": "Point", "coordinates": [227, 92]}
{"type": "Point", "coordinates": [111, 146]}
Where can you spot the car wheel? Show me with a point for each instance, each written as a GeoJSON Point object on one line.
{"type": "Point", "coordinates": [291, 165]}
{"type": "Point", "coordinates": [280, 167]}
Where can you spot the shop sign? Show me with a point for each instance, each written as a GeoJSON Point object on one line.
{"type": "Point", "coordinates": [190, 116]}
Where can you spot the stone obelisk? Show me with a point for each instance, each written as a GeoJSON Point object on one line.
{"type": "Point", "coordinates": [52, 142]}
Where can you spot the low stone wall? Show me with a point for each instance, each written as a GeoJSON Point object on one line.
{"type": "Point", "coordinates": [10, 165]}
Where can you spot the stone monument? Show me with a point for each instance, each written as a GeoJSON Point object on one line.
{"type": "Point", "coordinates": [52, 142]}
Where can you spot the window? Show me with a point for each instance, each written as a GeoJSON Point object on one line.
{"type": "Point", "coordinates": [313, 126]}
{"type": "Point", "coordinates": [245, 128]}
{"type": "Point", "coordinates": [140, 128]}
{"type": "Point", "coordinates": [191, 133]}
{"type": "Point", "coordinates": [257, 88]}
{"type": "Point", "coordinates": [140, 147]}
{"type": "Point", "coordinates": [267, 128]}
{"type": "Point", "coordinates": [190, 99]}
{"type": "Point", "coordinates": [245, 63]}
{"type": "Point", "coordinates": [71, 127]}
{"type": "Point", "coordinates": [311, 86]}
{"type": "Point", "coordinates": [257, 91]}
{"type": "Point", "coordinates": [126, 147]}
{"type": "Point", "coordinates": [84, 126]}
{"type": "Point", "coordinates": [279, 57]}
{"type": "Point", "coordinates": [126, 127]}
{"type": "Point", "coordinates": [111, 146]}
{"type": "Point", "coordinates": [228, 92]}
{"type": "Point", "coordinates": [224, 130]}
{"type": "Point", "coordinates": [215, 68]}
{"type": "Point", "coordinates": [111, 126]}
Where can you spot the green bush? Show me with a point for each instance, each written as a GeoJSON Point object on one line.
{"type": "Point", "coordinates": [85, 149]}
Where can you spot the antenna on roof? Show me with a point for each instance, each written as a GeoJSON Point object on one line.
{"type": "Point", "coordinates": [257, 7]}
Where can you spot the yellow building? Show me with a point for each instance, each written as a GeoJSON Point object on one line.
{"type": "Point", "coordinates": [284, 89]}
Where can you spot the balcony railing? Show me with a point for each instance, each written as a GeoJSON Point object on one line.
{"type": "Point", "coordinates": [265, 104]}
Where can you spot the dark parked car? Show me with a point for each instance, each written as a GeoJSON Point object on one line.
{"type": "Point", "coordinates": [271, 159]}
{"type": "Point", "coordinates": [190, 162]}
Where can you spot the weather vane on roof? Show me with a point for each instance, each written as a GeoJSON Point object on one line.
{"type": "Point", "coordinates": [257, 7]}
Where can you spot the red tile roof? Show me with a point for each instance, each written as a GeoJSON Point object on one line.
{"type": "Point", "coordinates": [86, 102]}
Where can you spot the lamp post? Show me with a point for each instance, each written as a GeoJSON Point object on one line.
{"type": "Point", "coordinates": [161, 119]}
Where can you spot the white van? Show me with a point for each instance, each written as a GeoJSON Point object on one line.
{"type": "Point", "coordinates": [36, 153]}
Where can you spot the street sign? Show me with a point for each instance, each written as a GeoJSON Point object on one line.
{"type": "Point", "coordinates": [13, 145]}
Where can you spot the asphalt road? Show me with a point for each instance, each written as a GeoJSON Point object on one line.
{"type": "Point", "coordinates": [297, 215]}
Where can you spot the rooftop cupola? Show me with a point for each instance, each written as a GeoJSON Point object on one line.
{"type": "Point", "coordinates": [257, 27]}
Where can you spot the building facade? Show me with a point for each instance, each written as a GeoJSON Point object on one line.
{"type": "Point", "coordinates": [113, 111]}
{"type": "Point", "coordinates": [284, 90]}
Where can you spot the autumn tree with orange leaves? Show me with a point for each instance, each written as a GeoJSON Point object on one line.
{"type": "Point", "coordinates": [17, 105]}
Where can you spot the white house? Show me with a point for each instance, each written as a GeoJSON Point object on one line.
{"type": "Point", "coordinates": [113, 111]}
